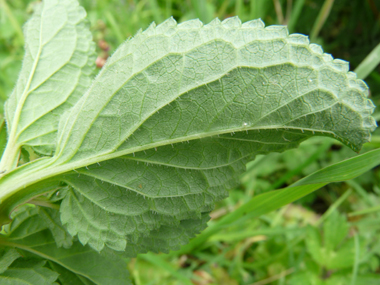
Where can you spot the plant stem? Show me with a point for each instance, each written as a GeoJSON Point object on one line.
{"type": "Point", "coordinates": [9, 158]}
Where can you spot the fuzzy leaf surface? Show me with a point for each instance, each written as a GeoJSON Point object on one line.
{"type": "Point", "coordinates": [170, 121]}
{"type": "Point", "coordinates": [58, 63]}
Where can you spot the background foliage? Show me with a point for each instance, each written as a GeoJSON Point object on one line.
{"type": "Point", "coordinates": [328, 237]}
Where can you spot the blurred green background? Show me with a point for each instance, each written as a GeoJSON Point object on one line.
{"type": "Point", "coordinates": [328, 237]}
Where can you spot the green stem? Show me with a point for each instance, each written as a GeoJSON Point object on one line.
{"type": "Point", "coordinates": [8, 160]}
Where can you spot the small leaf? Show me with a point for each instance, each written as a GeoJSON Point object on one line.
{"type": "Point", "coordinates": [335, 229]}
{"type": "Point", "coordinates": [52, 219]}
{"type": "Point", "coordinates": [67, 277]}
{"type": "Point", "coordinates": [7, 256]}
{"type": "Point", "coordinates": [58, 63]}
{"type": "Point", "coordinates": [314, 244]}
{"type": "Point", "coordinates": [29, 272]}
{"type": "Point", "coordinates": [29, 220]}
{"type": "Point", "coordinates": [100, 268]}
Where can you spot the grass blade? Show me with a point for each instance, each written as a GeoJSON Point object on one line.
{"type": "Point", "coordinates": [321, 149]}
{"type": "Point", "coordinates": [369, 63]}
{"type": "Point", "coordinates": [278, 9]}
{"type": "Point", "coordinates": [296, 12]}
{"type": "Point", "coordinates": [267, 202]}
{"type": "Point", "coordinates": [322, 16]}
{"type": "Point", "coordinates": [365, 211]}
{"type": "Point", "coordinates": [334, 206]}
{"type": "Point", "coordinates": [357, 262]}
{"type": "Point", "coordinates": [344, 170]}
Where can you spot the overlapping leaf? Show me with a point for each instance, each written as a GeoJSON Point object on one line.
{"type": "Point", "coordinates": [7, 256]}
{"type": "Point", "coordinates": [177, 112]}
{"type": "Point", "coordinates": [57, 67]}
{"type": "Point", "coordinates": [28, 272]}
{"type": "Point", "coordinates": [39, 245]}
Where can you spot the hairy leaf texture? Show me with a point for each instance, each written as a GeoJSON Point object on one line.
{"type": "Point", "coordinates": [172, 118]}
{"type": "Point", "coordinates": [179, 109]}
{"type": "Point", "coordinates": [58, 63]}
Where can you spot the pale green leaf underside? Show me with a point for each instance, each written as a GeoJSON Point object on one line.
{"type": "Point", "coordinates": [135, 195]}
{"type": "Point", "coordinates": [169, 123]}
{"type": "Point", "coordinates": [178, 110]}
{"type": "Point", "coordinates": [176, 83]}
{"type": "Point", "coordinates": [58, 63]}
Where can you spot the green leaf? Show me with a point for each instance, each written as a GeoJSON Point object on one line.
{"type": "Point", "coordinates": [172, 118]}
{"type": "Point", "coordinates": [58, 63]}
{"type": "Point", "coordinates": [52, 219]}
{"type": "Point", "coordinates": [343, 257]}
{"type": "Point", "coordinates": [167, 238]}
{"type": "Point", "coordinates": [32, 219]}
{"type": "Point", "coordinates": [335, 229]}
{"type": "Point", "coordinates": [28, 272]}
{"type": "Point", "coordinates": [67, 277]}
{"type": "Point", "coordinates": [173, 83]}
{"type": "Point", "coordinates": [100, 268]}
{"type": "Point", "coordinates": [7, 256]}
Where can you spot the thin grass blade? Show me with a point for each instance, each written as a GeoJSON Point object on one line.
{"type": "Point", "coordinates": [267, 202]}
{"type": "Point", "coordinates": [369, 63]}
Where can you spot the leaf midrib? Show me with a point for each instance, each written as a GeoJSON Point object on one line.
{"type": "Point", "coordinates": [50, 170]}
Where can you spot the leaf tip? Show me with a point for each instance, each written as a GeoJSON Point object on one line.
{"type": "Point", "coordinates": [255, 24]}
{"type": "Point", "coordinates": [191, 24]}
{"type": "Point", "coordinates": [213, 23]}
{"type": "Point", "coordinates": [233, 22]}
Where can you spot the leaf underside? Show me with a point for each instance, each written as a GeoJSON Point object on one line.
{"type": "Point", "coordinates": [57, 67]}
{"type": "Point", "coordinates": [178, 110]}
{"type": "Point", "coordinates": [173, 117]}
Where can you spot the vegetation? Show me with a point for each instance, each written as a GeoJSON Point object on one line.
{"type": "Point", "coordinates": [255, 236]}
